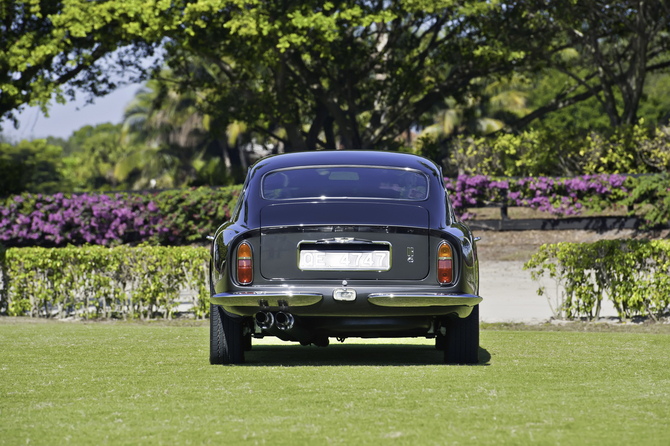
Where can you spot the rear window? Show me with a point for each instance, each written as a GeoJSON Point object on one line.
{"type": "Point", "coordinates": [345, 182]}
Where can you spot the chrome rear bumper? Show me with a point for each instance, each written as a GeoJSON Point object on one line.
{"type": "Point", "coordinates": [304, 299]}
{"type": "Point", "coordinates": [423, 300]}
{"type": "Point", "coordinates": [266, 299]}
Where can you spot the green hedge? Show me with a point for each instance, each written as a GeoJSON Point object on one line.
{"type": "Point", "coordinates": [633, 274]}
{"type": "Point", "coordinates": [189, 215]}
{"type": "Point", "coordinates": [145, 282]}
{"type": "Point", "coordinates": [95, 281]}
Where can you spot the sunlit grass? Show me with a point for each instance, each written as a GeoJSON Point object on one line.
{"type": "Point", "coordinates": [121, 383]}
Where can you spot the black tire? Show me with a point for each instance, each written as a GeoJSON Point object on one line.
{"type": "Point", "coordinates": [247, 342]}
{"type": "Point", "coordinates": [440, 341]}
{"type": "Point", "coordinates": [225, 338]}
{"type": "Point", "coordinates": [463, 339]}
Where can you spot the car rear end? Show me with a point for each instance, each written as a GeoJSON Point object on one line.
{"type": "Point", "coordinates": [348, 251]}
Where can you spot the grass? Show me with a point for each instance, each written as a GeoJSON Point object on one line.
{"type": "Point", "coordinates": [121, 383]}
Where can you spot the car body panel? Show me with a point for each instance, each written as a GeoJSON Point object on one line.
{"type": "Point", "coordinates": [408, 290]}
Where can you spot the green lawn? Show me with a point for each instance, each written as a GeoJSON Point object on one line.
{"type": "Point", "coordinates": [119, 383]}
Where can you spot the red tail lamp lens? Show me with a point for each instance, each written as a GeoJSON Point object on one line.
{"type": "Point", "coordinates": [245, 271]}
{"type": "Point", "coordinates": [444, 263]}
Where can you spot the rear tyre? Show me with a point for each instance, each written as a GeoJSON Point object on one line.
{"type": "Point", "coordinates": [226, 344]}
{"type": "Point", "coordinates": [462, 342]}
{"type": "Point", "coordinates": [440, 341]}
{"type": "Point", "coordinates": [247, 342]}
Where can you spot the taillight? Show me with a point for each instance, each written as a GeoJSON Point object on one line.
{"type": "Point", "coordinates": [245, 271]}
{"type": "Point", "coordinates": [444, 263]}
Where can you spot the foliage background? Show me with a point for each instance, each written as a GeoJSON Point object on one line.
{"type": "Point", "coordinates": [633, 274]}
{"type": "Point", "coordinates": [98, 282]}
{"type": "Point", "coordinates": [526, 88]}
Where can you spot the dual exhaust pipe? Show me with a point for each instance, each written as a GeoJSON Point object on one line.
{"type": "Point", "coordinates": [283, 321]}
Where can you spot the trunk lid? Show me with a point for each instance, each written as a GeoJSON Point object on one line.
{"type": "Point", "coordinates": [340, 240]}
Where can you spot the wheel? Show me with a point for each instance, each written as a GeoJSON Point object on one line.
{"type": "Point", "coordinates": [440, 342]}
{"type": "Point", "coordinates": [226, 344]}
{"type": "Point", "coordinates": [462, 340]}
{"type": "Point", "coordinates": [247, 342]}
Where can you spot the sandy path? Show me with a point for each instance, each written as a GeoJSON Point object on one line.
{"type": "Point", "coordinates": [508, 291]}
{"type": "Point", "coordinates": [511, 296]}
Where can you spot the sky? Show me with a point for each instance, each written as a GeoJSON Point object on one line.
{"type": "Point", "coordinates": [65, 119]}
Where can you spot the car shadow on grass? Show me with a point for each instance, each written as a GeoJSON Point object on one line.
{"type": "Point", "coordinates": [291, 355]}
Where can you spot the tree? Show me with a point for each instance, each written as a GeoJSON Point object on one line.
{"type": "Point", "coordinates": [614, 46]}
{"type": "Point", "coordinates": [50, 48]}
{"type": "Point", "coordinates": [30, 166]}
{"type": "Point", "coordinates": [168, 134]}
{"type": "Point", "coordinates": [356, 74]}
{"type": "Point", "coordinates": [93, 152]}
{"type": "Point", "coordinates": [174, 142]}
{"type": "Point", "coordinates": [499, 102]}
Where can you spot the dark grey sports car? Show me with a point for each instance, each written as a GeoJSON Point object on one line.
{"type": "Point", "coordinates": [344, 244]}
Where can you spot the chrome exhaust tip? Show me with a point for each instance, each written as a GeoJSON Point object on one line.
{"type": "Point", "coordinates": [264, 319]}
{"type": "Point", "coordinates": [284, 320]}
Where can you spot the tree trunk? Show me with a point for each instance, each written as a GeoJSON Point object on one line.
{"type": "Point", "coordinates": [637, 71]}
{"type": "Point", "coordinates": [244, 156]}
{"type": "Point", "coordinates": [297, 142]}
{"type": "Point", "coordinates": [315, 128]}
{"type": "Point", "coordinates": [226, 157]}
{"type": "Point", "coordinates": [330, 135]}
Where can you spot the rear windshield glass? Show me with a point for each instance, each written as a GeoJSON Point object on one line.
{"type": "Point", "coordinates": [348, 182]}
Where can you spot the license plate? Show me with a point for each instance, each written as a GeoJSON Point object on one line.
{"type": "Point", "coordinates": [344, 261]}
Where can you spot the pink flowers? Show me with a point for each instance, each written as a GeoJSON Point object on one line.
{"type": "Point", "coordinates": [88, 218]}
{"type": "Point", "coordinates": [170, 217]}
{"type": "Point", "coordinates": [184, 216]}
{"type": "Point", "coordinates": [559, 196]}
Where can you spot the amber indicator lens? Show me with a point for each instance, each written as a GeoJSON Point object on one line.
{"type": "Point", "coordinates": [445, 251]}
{"type": "Point", "coordinates": [444, 264]}
{"type": "Point", "coordinates": [245, 272]}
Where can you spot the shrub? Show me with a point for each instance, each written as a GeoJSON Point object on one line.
{"type": "Point", "coordinates": [179, 217]}
{"type": "Point", "coordinates": [33, 166]}
{"type": "Point", "coordinates": [103, 282]}
{"type": "Point", "coordinates": [559, 196]}
{"type": "Point", "coordinates": [633, 274]}
{"type": "Point", "coordinates": [652, 193]}
{"type": "Point", "coordinates": [631, 149]}
{"type": "Point", "coordinates": [169, 217]}
{"type": "Point", "coordinates": [56, 220]}
{"type": "Point", "coordinates": [187, 216]}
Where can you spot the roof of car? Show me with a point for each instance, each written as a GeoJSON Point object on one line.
{"type": "Point", "coordinates": [346, 157]}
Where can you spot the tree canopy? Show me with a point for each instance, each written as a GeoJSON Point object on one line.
{"type": "Point", "coordinates": [50, 48]}
{"type": "Point", "coordinates": [611, 46]}
{"type": "Point", "coordinates": [315, 74]}
{"type": "Point", "coordinates": [363, 72]}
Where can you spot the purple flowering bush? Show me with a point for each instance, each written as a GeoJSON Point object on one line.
{"type": "Point", "coordinates": [57, 220]}
{"type": "Point", "coordinates": [558, 196]}
{"type": "Point", "coordinates": [180, 217]}
{"type": "Point", "coordinates": [170, 217]}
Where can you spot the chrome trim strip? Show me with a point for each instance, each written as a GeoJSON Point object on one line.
{"type": "Point", "coordinates": [252, 299]}
{"type": "Point", "coordinates": [423, 300]}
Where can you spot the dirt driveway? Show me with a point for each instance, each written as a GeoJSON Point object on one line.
{"type": "Point", "coordinates": [508, 291]}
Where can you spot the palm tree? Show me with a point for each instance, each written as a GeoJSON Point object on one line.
{"type": "Point", "coordinates": [169, 133]}
{"type": "Point", "coordinates": [501, 101]}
